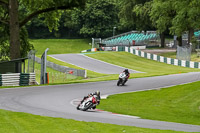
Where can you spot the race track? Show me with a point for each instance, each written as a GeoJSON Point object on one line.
{"type": "Point", "coordinates": [90, 63]}
{"type": "Point", "coordinates": [59, 100]}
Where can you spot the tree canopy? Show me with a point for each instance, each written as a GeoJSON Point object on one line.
{"type": "Point", "coordinates": [90, 18]}
{"type": "Point", "coordinates": [176, 16]}
{"type": "Point", "coordinates": [16, 13]}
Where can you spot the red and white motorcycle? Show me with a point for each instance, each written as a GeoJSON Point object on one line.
{"type": "Point", "coordinates": [88, 103]}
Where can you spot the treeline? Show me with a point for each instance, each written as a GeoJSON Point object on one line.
{"type": "Point", "coordinates": [23, 19]}
{"type": "Point", "coordinates": [96, 19]}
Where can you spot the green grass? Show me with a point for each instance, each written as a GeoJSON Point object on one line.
{"type": "Point", "coordinates": [16, 122]}
{"type": "Point", "coordinates": [127, 60]}
{"type": "Point", "coordinates": [91, 76]}
{"type": "Point", "coordinates": [21, 122]}
{"type": "Point", "coordinates": [175, 104]}
{"type": "Point", "coordinates": [150, 67]}
{"type": "Point", "coordinates": [173, 55]}
{"type": "Point", "coordinates": [55, 76]}
{"type": "Point", "coordinates": [61, 46]}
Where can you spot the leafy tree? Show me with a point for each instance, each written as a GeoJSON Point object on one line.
{"type": "Point", "coordinates": [131, 17]}
{"type": "Point", "coordinates": [161, 15]}
{"type": "Point", "coordinates": [97, 19]}
{"type": "Point", "coordinates": [16, 13]}
{"type": "Point", "coordinates": [187, 17]}
{"type": "Point", "coordinates": [177, 15]}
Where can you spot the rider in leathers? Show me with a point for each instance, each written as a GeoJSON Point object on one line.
{"type": "Point", "coordinates": [97, 93]}
{"type": "Point", "coordinates": [127, 74]}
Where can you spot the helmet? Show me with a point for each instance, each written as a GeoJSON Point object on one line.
{"type": "Point", "coordinates": [126, 70]}
{"type": "Point", "coordinates": [97, 93]}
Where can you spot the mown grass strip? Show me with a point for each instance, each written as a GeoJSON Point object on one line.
{"type": "Point", "coordinates": [175, 104]}
{"type": "Point", "coordinates": [60, 46]}
{"type": "Point", "coordinates": [150, 67]}
{"type": "Point", "coordinates": [16, 122]}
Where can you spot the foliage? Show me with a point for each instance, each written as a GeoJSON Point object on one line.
{"type": "Point", "coordinates": [187, 16]}
{"type": "Point", "coordinates": [97, 19]}
{"type": "Point", "coordinates": [161, 14]}
{"type": "Point", "coordinates": [142, 12]}
{"type": "Point", "coordinates": [26, 46]}
{"type": "Point", "coordinates": [4, 46]}
{"type": "Point", "coordinates": [27, 10]}
{"type": "Point", "coordinates": [133, 17]}
{"type": "Point", "coordinates": [179, 15]}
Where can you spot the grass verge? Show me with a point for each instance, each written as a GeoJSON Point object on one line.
{"type": "Point", "coordinates": [16, 122]}
{"type": "Point", "coordinates": [173, 55]}
{"type": "Point", "coordinates": [175, 104]}
{"type": "Point", "coordinates": [127, 60]}
{"type": "Point", "coordinates": [60, 46]}
{"type": "Point", "coordinates": [150, 67]}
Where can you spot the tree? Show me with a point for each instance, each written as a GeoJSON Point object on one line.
{"type": "Point", "coordinates": [177, 15]}
{"type": "Point", "coordinates": [16, 13]}
{"type": "Point", "coordinates": [97, 19]}
{"type": "Point", "coordinates": [131, 17]}
{"type": "Point", "coordinates": [187, 17]}
{"type": "Point", "coordinates": [161, 15]}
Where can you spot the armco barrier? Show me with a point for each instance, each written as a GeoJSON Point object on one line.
{"type": "Point", "coordinates": [64, 69]}
{"type": "Point", "coordinates": [17, 79]}
{"type": "Point", "coordinates": [166, 60]}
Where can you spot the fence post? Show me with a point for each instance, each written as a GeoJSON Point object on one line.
{"type": "Point", "coordinates": [43, 67]}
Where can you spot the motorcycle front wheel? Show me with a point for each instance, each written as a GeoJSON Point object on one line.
{"type": "Point", "coordinates": [118, 83]}
{"type": "Point", "coordinates": [87, 106]}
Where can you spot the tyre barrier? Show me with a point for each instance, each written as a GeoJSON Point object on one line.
{"type": "Point", "coordinates": [17, 79]}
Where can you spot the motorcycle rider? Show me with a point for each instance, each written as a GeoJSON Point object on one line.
{"type": "Point", "coordinates": [127, 74]}
{"type": "Point", "coordinates": [97, 93]}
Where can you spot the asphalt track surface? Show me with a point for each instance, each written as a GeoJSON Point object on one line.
{"type": "Point", "coordinates": [61, 100]}
{"type": "Point", "coordinates": [90, 63]}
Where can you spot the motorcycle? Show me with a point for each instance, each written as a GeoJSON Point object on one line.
{"type": "Point", "coordinates": [88, 103]}
{"type": "Point", "coordinates": [122, 79]}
